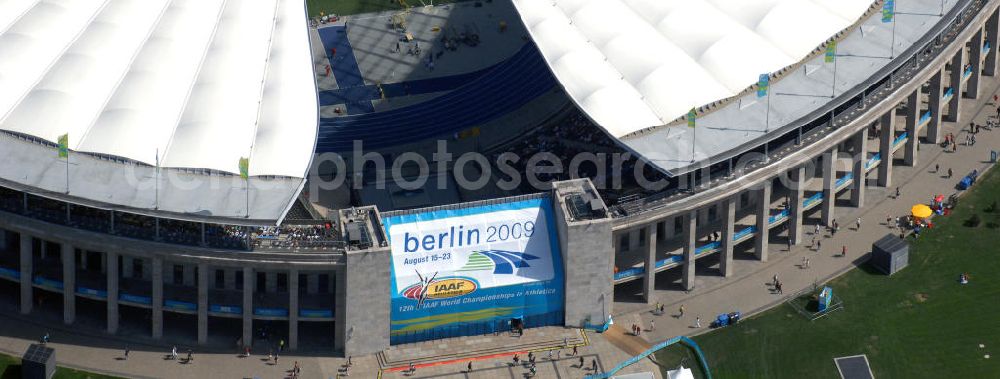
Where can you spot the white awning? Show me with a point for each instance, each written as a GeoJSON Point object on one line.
{"type": "Point", "coordinates": [634, 64]}
{"type": "Point", "coordinates": [185, 84]}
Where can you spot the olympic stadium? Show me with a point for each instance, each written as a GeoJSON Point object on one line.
{"type": "Point", "coordinates": [226, 169]}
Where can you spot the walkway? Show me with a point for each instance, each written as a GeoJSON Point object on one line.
{"type": "Point", "coordinates": [747, 289]}
{"type": "Point", "coordinates": [344, 66]}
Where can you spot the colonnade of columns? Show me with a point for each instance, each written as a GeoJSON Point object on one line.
{"type": "Point", "coordinates": [194, 275]}
{"type": "Point", "coordinates": [981, 63]}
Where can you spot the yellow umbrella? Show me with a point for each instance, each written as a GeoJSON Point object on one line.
{"type": "Point", "coordinates": [921, 211]}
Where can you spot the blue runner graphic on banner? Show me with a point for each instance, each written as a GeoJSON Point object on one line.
{"type": "Point", "coordinates": [472, 270]}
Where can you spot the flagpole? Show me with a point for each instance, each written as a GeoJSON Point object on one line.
{"type": "Point", "coordinates": [694, 142]}
{"type": "Point", "coordinates": [67, 171]}
{"type": "Point", "coordinates": [892, 45]}
{"type": "Point", "coordinates": [156, 181]}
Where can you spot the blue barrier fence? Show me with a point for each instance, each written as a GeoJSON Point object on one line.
{"type": "Point", "coordinates": [47, 282]}
{"type": "Point", "coordinates": [967, 73]}
{"type": "Point", "coordinates": [135, 298]}
{"type": "Point", "coordinates": [812, 199]}
{"type": "Point", "coordinates": [874, 159]}
{"type": "Point", "coordinates": [271, 312]}
{"type": "Point", "coordinates": [92, 292]}
{"type": "Point", "coordinates": [923, 119]}
{"type": "Point", "coordinates": [180, 305]}
{"type": "Point", "coordinates": [682, 339]}
{"type": "Point", "coordinates": [775, 218]}
{"type": "Point", "coordinates": [228, 309]}
{"type": "Point", "coordinates": [10, 273]}
{"type": "Point", "coordinates": [899, 139]}
{"type": "Point", "coordinates": [948, 93]}
{"type": "Point", "coordinates": [745, 232]}
{"type": "Point", "coordinates": [843, 179]}
{"type": "Point", "coordinates": [315, 313]}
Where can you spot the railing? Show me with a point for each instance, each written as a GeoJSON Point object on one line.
{"type": "Point", "coordinates": [872, 161]}
{"type": "Point", "coordinates": [843, 180]}
{"type": "Point", "coordinates": [911, 62]}
{"type": "Point", "coordinates": [808, 202]}
{"type": "Point", "coordinates": [899, 140]}
{"type": "Point", "coordinates": [924, 118]}
{"type": "Point", "coordinates": [947, 95]}
{"type": "Point", "coordinates": [775, 218]}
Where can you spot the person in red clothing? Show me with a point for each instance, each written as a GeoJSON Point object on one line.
{"type": "Point", "coordinates": [843, 252]}
{"type": "Point", "coordinates": [333, 52]}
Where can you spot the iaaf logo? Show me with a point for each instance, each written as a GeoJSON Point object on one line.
{"type": "Point", "coordinates": [439, 289]}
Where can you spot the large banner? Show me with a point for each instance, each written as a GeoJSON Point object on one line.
{"type": "Point", "coordinates": [480, 264]}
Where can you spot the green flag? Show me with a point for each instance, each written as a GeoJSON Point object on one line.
{"type": "Point", "coordinates": [692, 114]}
{"type": "Point", "coordinates": [64, 146]}
{"type": "Point", "coordinates": [831, 52]}
{"type": "Point", "coordinates": [244, 167]}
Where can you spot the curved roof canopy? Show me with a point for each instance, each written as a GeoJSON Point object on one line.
{"type": "Point", "coordinates": [185, 84]}
{"type": "Point", "coordinates": [634, 64]}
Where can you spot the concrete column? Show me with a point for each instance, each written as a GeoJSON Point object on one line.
{"type": "Point", "coordinates": [728, 231]}
{"type": "Point", "coordinates": [763, 218]}
{"type": "Point", "coordinates": [69, 283]}
{"type": "Point", "coordinates": [668, 228]}
{"type": "Point", "coordinates": [829, 181]}
{"type": "Point", "coordinates": [27, 258]}
{"type": "Point", "coordinates": [112, 277]}
{"type": "Point", "coordinates": [649, 264]}
{"type": "Point", "coordinates": [957, 66]}
{"type": "Point", "coordinates": [104, 263]}
{"type": "Point", "coordinates": [797, 195]}
{"type": "Point", "coordinates": [3, 241]}
{"type": "Point", "coordinates": [691, 237]}
{"type": "Point", "coordinates": [270, 282]}
{"type": "Point", "coordinates": [157, 306]}
{"type": "Point", "coordinates": [934, 104]}
{"type": "Point", "coordinates": [43, 249]}
{"type": "Point", "coordinates": [992, 29]}
{"type": "Point", "coordinates": [912, 138]}
{"type": "Point", "coordinates": [248, 305]}
{"type": "Point", "coordinates": [888, 122]}
{"type": "Point", "coordinates": [203, 271]}
{"type": "Point", "coordinates": [83, 260]}
{"type": "Point", "coordinates": [229, 279]}
{"type": "Point", "coordinates": [976, 60]}
{"type": "Point", "coordinates": [293, 309]}
{"type": "Point", "coordinates": [188, 279]}
{"type": "Point", "coordinates": [126, 266]}
{"type": "Point", "coordinates": [147, 272]}
{"type": "Point", "coordinates": [860, 148]}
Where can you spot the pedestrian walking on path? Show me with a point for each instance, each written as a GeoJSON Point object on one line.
{"type": "Point", "coordinates": [581, 362]}
{"type": "Point", "coordinates": [469, 367]}
{"type": "Point", "coordinates": [778, 287]}
{"type": "Point", "coordinates": [697, 322]}
{"type": "Point", "coordinates": [897, 192]}
{"type": "Point", "coordinates": [126, 353]}
{"type": "Point", "coordinates": [593, 363]}
{"type": "Point", "coordinates": [949, 173]}
{"type": "Point", "coordinates": [805, 262]}
{"type": "Point", "coordinates": [936, 167]}
{"type": "Point", "coordinates": [774, 280]}
{"type": "Point", "coordinates": [843, 252]}
{"type": "Point", "coordinates": [857, 223]}
{"type": "Point", "coordinates": [652, 325]}
{"type": "Point", "coordinates": [173, 353]}
{"type": "Point", "coordinates": [574, 350]}
{"type": "Point", "coordinates": [681, 311]}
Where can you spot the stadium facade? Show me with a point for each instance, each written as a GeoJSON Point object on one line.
{"type": "Point", "coordinates": [238, 243]}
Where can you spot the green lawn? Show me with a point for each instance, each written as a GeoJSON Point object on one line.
{"type": "Point", "coordinates": [920, 323]}
{"type": "Point", "coordinates": [10, 368]}
{"type": "Point", "coordinates": [346, 7]}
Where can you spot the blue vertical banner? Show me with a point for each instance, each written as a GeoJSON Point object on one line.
{"type": "Point", "coordinates": [473, 270]}
{"type": "Point", "coordinates": [888, 11]}
{"type": "Point", "coordinates": [831, 52]}
{"type": "Point", "coordinates": [763, 84]}
{"type": "Point", "coordinates": [692, 118]}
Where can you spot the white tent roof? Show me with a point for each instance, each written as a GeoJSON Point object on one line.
{"type": "Point", "coordinates": [193, 84]}
{"type": "Point", "coordinates": [633, 64]}
{"type": "Point", "coordinates": [201, 83]}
